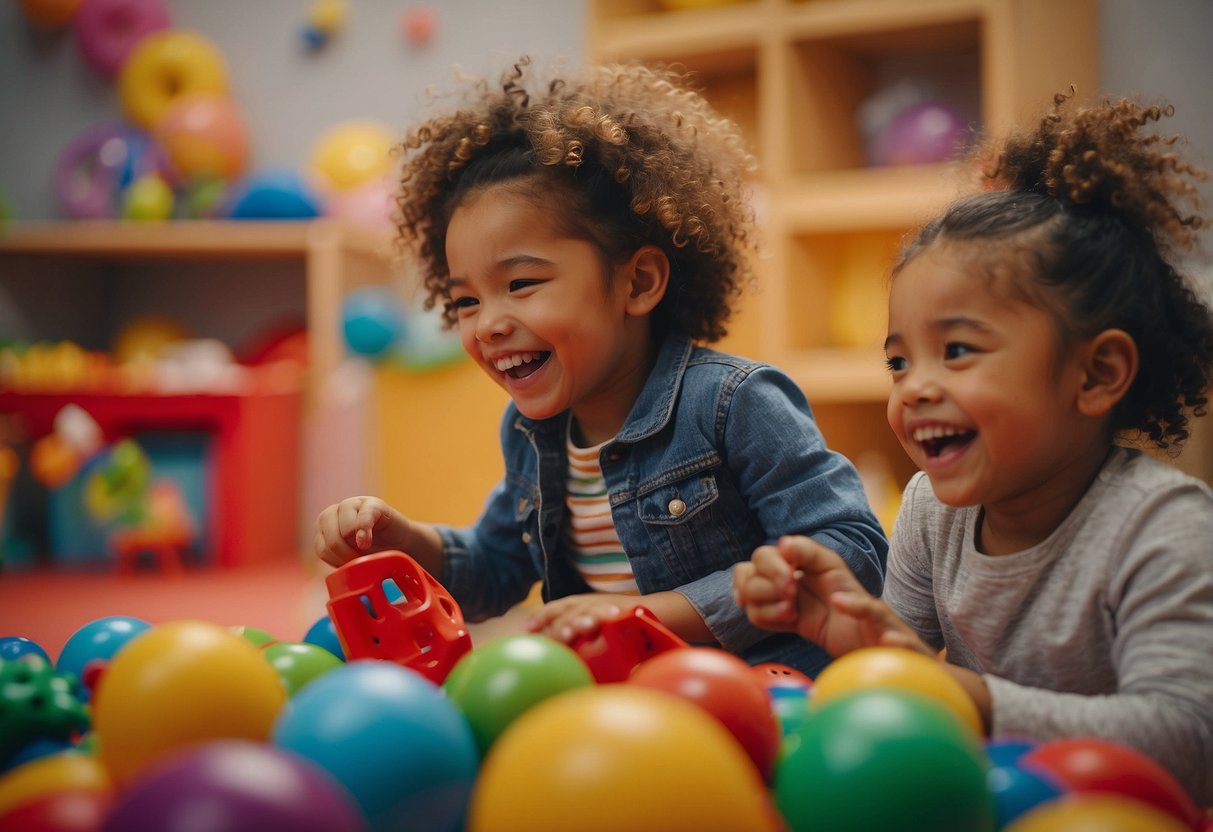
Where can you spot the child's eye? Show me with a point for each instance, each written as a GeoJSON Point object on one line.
{"type": "Point", "coordinates": [523, 283]}
{"type": "Point", "coordinates": [955, 349]}
{"type": "Point", "coordinates": [459, 304]}
{"type": "Point", "coordinates": [895, 363]}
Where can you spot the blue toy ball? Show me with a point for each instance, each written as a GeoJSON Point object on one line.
{"type": "Point", "coordinates": [1016, 790]}
{"type": "Point", "coordinates": [401, 748]}
{"type": "Point", "coordinates": [371, 320]}
{"type": "Point", "coordinates": [14, 647]}
{"type": "Point", "coordinates": [273, 194]}
{"type": "Point", "coordinates": [98, 639]}
{"type": "Point", "coordinates": [324, 634]}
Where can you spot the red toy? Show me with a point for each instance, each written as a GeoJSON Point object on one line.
{"type": "Point", "coordinates": [624, 642]}
{"type": "Point", "coordinates": [423, 630]}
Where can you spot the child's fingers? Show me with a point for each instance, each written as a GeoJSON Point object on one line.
{"type": "Point", "coordinates": [818, 569]}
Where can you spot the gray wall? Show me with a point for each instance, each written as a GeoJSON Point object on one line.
{"type": "Point", "coordinates": [288, 94]}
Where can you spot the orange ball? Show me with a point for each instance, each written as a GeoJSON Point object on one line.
{"type": "Point", "coordinates": [204, 137]}
{"type": "Point", "coordinates": [53, 461]}
{"type": "Point", "coordinates": [1096, 813]}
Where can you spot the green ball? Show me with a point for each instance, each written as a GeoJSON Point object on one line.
{"type": "Point", "coordinates": [298, 664]}
{"type": "Point", "coordinates": [883, 759]}
{"type": "Point", "coordinates": [496, 682]}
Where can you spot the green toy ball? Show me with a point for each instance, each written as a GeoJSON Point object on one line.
{"type": "Point", "coordinates": [498, 681]}
{"type": "Point", "coordinates": [148, 198]}
{"type": "Point", "coordinates": [298, 664]}
{"type": "Point", "coordinates": [883, 759]}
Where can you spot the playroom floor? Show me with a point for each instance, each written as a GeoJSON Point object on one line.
{"type": "Point", "coordinates": [283, 598]}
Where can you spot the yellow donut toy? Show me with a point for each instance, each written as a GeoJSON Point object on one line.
{"type": "Point", "coordinates": [163, 68]}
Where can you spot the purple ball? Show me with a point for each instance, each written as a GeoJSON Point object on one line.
{"type": "Point", "coordinates": [921, 134]}
{"type": "Point", "coordinates": [234, 786]}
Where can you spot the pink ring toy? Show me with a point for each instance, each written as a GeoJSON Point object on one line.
{"type": "Point", "coordinates": [107, 30]}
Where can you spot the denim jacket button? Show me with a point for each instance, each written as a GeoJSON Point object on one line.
{"type": "Point", "coordinates": [677, 507]}
{"type": "Point", "coordinates": [526, 537]}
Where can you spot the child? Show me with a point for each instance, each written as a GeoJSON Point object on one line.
{"type": "Point", "coordinates": [583, 236]}
{"type": "Point", "coordinates": [1070, 579]}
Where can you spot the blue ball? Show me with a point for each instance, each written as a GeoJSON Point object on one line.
{"type": "Point", "coordinates": [273, 194]}
{"type": "Point", "coordinates": [1016, 790]}
{"type": "Point", "coordinates": [371, 320]}
{"type": "Point", "coordinates": [324, 634]}
{"type": "Point", "coordinates": [98, 639]}
{"type": "Point", "coordinates": [14, 647]}
{"type": "Point", "coordinates": [389, 735]}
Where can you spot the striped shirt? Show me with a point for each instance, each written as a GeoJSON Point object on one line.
{"type": "Point", "coordinates": [597, 552]}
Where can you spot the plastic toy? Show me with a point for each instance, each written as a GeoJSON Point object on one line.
{"type": "Point", "coordinates": [148, 199]}
{"type": "Point", "coordinates": [97, 165]}
{"type": "Point", "coordinates": [623, 643]}
{"type": "Point", "coordinates": [70, 771]}
{"type": "Point", "coordinates": [166, 67]}
{"type": "Point", "coordinates": [352, 153]}
{"type": "Point", "coordinates": [108, 30]}
{"type": "Point", "coordinates": [398, 745]}
{"type": "Point", "coordinates": [883, 759]}
{"type": "Point", "coordinates": [100, 638]}
{"type": "Point", "coordinates": [618, 757]}
{"type": "Point", "coordinates": [923, 133]}
{"type": "Point", "coordinates": [1016, 791]}
{"type": "Point", "coordinates": [298, 664]}
{"type": "Point", "coordinates": [497, 682]}
{"type": "Point", "coordinates": [1095, 813]}
{"type": "Point", "coordinates": [323, 634]}
{"type": "Point", "coordinates": [894, 667]}
{"type": "Point", "coordinates": [423, 630]}
{"type": "Point", "coordinates": [371, 320]}
{"type": "Point", "coordinates": [204, 137]}
{"type": "Point", "coordinates": [240, 785]}
{"type": "Point", "coordinates": [776, 675]}
{"type": "Point", "coordinates": [14, 647]}
{"type": "Point", "coordinates": [725, 687]}
{"type": "Point", "coordinates": [37, 703]}
{"type": "Point", "coordinates": [50, 14]}
{"type": "Point", "coordinates": [272, 194]}
{"type": "Point", "coordinates": [60, 811]}
{"type": "Point", "coordinates": [791, 708]}
{"type": "Point", "coordinates": [178, 684]}
{"type": "Point", "coordinates": [419, 25]}
{"type": "Point", "coordinates": [370, 204]}
{"type": "Point", "coordinates": [326, 19]}
{"type": "Point", "coordinates": [1090, 764]}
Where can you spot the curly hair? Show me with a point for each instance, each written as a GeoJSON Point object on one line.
{"type": "Point", "coordinates": [621, 156]}
{"type": "Point", "coordinates": [1105, 207]}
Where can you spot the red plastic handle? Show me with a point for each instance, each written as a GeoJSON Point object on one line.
{"type": "Point", "coordinates": [624, 642]}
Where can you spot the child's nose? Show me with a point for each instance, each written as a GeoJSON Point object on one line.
{"type": "Point", "coordinates": [492, 323]}
{"type": "Point", "coordinates": [920, 388]}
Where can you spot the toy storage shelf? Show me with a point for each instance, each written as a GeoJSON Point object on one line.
{"type": "Point", "coordinates": [794, 75]}
{"type": "Point", "coordinates": [332, 257]}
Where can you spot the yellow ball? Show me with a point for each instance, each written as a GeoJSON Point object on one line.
{"type": "Point", "coordinates": [66, 771]}
{"type": "Point", "coordinates": [352, 153]}
{"type": "Point", "coordinates": [1095, 813]}
{"type": "Point", "coordinates": [143, 339]}
{"type": "Point", "coordinates": [163, 68]}
{"type": "Point", "coordinates": [148, 198]}
{"type": "Point", "coordinates": [178, 684]}
{"type": "Point", "coordinates": [894, 667]}
{"type": "Point", "coordinates": [615, 757]}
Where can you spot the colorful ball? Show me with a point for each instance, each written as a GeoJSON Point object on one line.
{"type": "Point", "coordinates": [234, 786]}
{"type": "Point", "coordinates": [1092, 764]}
{"type": "Point", "coordinates": [204, 137]}
{"type": "Point", "coordinates": [724, 686]}
{"type": "Point", "coordinates": [614, 757]}
{"type": "Point", "coordinates": [94, 168]}
{"type": "Point", "coordinates": [100, 638]}
{"type": "Point", "coordinates": [1015, 790]}
{"type": "Point", "coordinates": [73, 810]}
{"type": "Point", "coordinates": [298, 665]}
{"type": "Point", "coordinates": [883, 759]}
{"type": "Point", "coordinates": [401, 748]}
{"type": "Point", "coordinates": [498, 681]}
{"type": "Point", "coordinates": [148, 199]}
{"type": "Point", "coordinates": [272, 194]}
{"type": "Point", "coordinates": [53, 461]}
{"type": "Point", "coordinates": [371, 320]}
{"type": "Point", "coordinates": [69, 771]}
{"type": "Point", "coordinates": [146, 337]}
{"type": "Point", "coordinates": [1096, 813]}
{"type": "Point", "coordinates": [926, 132]}
{"type": "Point", "coordinates": [352, 154]}
{"type": "Point", "coordinates": [166, 67]}
{"type": "Point", "coordinates": [324, 634]}
{"type": "Point", "coordinates": [14, 647]}
{"type": "Point", "coordinates": [178, 684]}
{"type": "Point", "coordinates": [108, 30]}
{"type": "Point", "coordinates": [894, 667]}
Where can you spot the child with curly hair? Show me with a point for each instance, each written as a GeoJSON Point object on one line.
{"type": "Point", "coordinates": [1035, 330]}
{"type": "Point", "coordinates": [586, 237]}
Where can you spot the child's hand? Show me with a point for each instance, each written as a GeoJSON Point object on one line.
{"type": "Point", "coordinates": [566, 619]}
{"type": "Point", "coordinates": [358, 526]}
{"type": "Point", "coordinates": [801, 586]}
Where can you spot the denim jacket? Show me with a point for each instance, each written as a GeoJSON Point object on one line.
{"type": "Point", "coordinates": [718, 456]}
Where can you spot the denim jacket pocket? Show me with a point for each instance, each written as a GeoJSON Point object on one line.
{"type": "Point", "coordinates": [678, 502]}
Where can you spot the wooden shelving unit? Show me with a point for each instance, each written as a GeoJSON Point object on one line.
{"type": "Point", "coordinates": [794, 75]}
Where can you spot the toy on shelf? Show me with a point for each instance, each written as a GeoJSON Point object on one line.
{"type": "Point", "coordinates": [164, 68]}
{"type": "Point", "coordinates": [326, 19]}
{"type": "Point", "coordinates": [422, 630]}
{"type": "Point", "coordinates": [108, 30]}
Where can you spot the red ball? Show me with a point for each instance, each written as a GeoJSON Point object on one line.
{"type": "Point", "coordinates": [724, 686]}
{"type": "Point", "coordinates": [1090, 764]}
{"type": "Point", "coordinates": [775, 675]}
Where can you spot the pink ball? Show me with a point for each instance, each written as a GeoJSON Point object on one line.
{"type": "Point", "coordinates": [370, 204]}
{"type": "Point", "coordinates": [107, 30]}
{"type": "Point", "coordinates": [922, 134]}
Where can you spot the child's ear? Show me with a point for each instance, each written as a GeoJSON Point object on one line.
{"type": "Point", "coordinates": [648, 279]}
{"type": "Point", "coordinates": [1109, 366]}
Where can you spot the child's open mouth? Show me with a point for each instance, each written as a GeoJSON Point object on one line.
{"type": "Point", "coordinates": [523, 364]}
{"type": "Point", "coordinates": [938, 440]}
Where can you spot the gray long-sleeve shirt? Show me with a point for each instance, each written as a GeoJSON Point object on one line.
{"type": "Point", "coordinates": [1104, 629]}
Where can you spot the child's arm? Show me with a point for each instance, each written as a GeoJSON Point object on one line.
{"type": "Point", "coordinates": [362, 525]}
{"type": "Point", "coordinates": [801, 586]}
